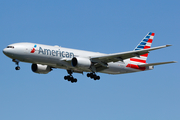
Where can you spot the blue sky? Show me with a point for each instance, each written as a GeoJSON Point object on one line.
{"type": "Point", "coordinates": [99, 26]}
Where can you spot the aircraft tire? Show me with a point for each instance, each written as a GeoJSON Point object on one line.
{"type": "Point", "coordinates": [65, 77]}
{"type": "Point", "coordinates": [17, 68]}
{"type": "Point", "coordinates": [88, 75]}
{"type": "Point", "coordinates": [74, 80]}
{"type": "Point", "coordinates": [68, 78]}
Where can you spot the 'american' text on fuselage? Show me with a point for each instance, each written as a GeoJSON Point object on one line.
{"type": "Point", "coordinates": [58, 53]}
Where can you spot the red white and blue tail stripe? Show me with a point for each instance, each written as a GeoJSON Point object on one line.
{"type": "Point", "coordinates": [144, 44]}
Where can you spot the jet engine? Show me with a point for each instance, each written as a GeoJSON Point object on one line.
{"type": "Point", "coordinates": [79, 62]}
{"type": "Point", "coordinates": [41, 69]}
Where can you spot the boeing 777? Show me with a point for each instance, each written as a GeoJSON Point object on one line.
{"type": "Point", "coordinates": [44, 58]}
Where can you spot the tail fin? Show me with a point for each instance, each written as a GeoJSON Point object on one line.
{"type": "Point", "coordinates": [144, 44]}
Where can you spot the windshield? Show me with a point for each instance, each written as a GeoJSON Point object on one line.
{"type": "Point", "coordinates": [10, 46]}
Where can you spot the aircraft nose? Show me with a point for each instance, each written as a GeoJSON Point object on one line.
{"type": "Point", "coordinates": [7, 52]}
{"type": "Point", "coordinates": [4, 51]}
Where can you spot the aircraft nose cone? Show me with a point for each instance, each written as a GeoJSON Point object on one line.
{"type": "Point", "coordinates": [7, 52]}
{"type": "Point", "coordinates": [4, 51]}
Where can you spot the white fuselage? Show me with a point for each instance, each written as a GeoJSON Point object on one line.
{"type": "Point", "coordinates": [60, 57]}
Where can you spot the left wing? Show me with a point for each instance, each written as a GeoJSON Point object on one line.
{"type": "Point", "coordinates": [104, 59]}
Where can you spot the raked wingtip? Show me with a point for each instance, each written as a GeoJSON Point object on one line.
{"type": "Point", "coordinates": [168, 45]}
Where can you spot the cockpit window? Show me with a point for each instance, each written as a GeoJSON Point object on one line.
{"type": "Point", "coordinates": [10, 46]}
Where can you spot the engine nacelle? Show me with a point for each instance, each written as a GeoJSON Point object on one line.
{"type": "Point", "coordinates": [41, 69]}
{"type": "Point", "coordinates": [79, 62]}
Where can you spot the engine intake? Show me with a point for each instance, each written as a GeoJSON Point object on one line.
{"type": "Point", "coordinates": [83, 63]}
{"type": "Point", "coordinates": [41, 69]}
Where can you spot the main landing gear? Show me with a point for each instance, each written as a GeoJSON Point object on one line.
{"type": "Point", "coordinates": [70, 77]}
{"type": "Point", "coordinates": [93, 76]}
{"type": "Point", "coordinates": [17, 63]}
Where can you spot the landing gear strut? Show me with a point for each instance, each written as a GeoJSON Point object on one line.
{"type": "Point", "coordinates": [93, 76]}
{"type": "Point", "coordinates": [70, 77]}
{"type": "Point", "coordinates": [17, 63]}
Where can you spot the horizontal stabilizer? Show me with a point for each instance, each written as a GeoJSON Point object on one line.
{"type": "Point", "coordinates": [152, 64]}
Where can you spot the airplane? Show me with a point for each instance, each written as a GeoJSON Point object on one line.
{"type": "Point", "coordinates": [45, 58]}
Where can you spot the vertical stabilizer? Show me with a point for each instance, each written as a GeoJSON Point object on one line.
{"type": "Point", "coordinates": [144, 44]}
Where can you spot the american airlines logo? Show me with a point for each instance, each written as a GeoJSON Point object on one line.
{"type": "Point", "coordinates": [33, 50]}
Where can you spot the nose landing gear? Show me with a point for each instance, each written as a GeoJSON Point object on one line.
{"type": "Point", "coordinates": [17, 63]}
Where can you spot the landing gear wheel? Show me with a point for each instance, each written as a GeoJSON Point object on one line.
{"type": "Point", "coordinates": [17, 68]}
{"type": "Point", "coordinates": [70, 77]}
{"type": "Point", "coordinates": [88, 75]}
{"type": "Point", "coordinates": [74, 80]}
{"type": "Point", "coordinates": [65, 77]}
{"type": "Point", "coordinates": [93, 76]}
